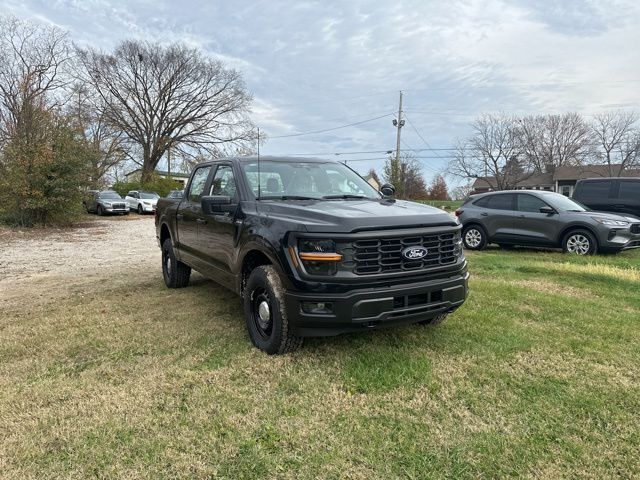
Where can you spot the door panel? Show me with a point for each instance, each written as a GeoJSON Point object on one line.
{"type": "Point", "coordinates": [189, 212]}
{"type": "Point", "coordinates": [217, 233]}
{"type": "Point", "coordinates": [533, 227]}
{"type": "Point", "coordinates": [498, 217]}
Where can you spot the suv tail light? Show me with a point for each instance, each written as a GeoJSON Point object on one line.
{"type": "Point", "coordinates": [458, 212]}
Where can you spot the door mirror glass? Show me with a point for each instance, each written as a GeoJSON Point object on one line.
{"type": "Point", "coordinates": [387, 190]}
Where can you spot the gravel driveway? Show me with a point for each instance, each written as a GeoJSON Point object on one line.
{"type": "Point", "coordinates": [113, 243]}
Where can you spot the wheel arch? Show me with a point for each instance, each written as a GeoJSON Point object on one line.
{"type": "Point", "coordinates": [255, 255]}
{"type": "Point", "coordinates": [573, 227]}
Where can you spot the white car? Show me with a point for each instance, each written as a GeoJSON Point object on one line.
{"type": "Point", "coordinates": [142, 202]}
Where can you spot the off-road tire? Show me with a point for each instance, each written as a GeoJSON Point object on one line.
{"type": "Point", "coordinates": [468, 235]}
{"type": "Point", "coordinates": [437, 320]}
{"type": "Point", "coordinates": [264, 285]}
{"type": "Point", "coordinates": [573, 242]}
{"type": "Point", "coordinates": [175, 273]}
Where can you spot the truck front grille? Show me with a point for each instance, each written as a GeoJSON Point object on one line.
{"type": "Point", "coordinates": [384, 255]}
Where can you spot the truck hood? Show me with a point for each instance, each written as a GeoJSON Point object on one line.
{"type": "Point", "coordinates": [353, 215]}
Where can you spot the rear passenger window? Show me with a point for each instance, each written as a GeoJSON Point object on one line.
{"type": "Point", "coordinates": [629, 190]}
{"type": "Point", "coordinates": [196, 189]}
{"type": "Point", "coordinates": [500, 202]}
{"type": "Point", "coordinates": [596, 189]}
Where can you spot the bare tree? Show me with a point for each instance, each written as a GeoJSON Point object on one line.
{"type": "Point", "coordinates": [461, 192]}
{"type": "Point", "coordinates": [617, 136]}
{"type": "Point", "coordinates": [551, 141]}
{"type": "Point", "coordinates": [33, 59]}
{"type": "Point", "coordinates": [107, 144]}
{"type": "Point", "coordinates": [493, 151]}
{"type": "Point", "coordinates": [169, 98]}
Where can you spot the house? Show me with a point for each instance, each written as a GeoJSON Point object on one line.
{"type": "Point", "coordinates": [372, 181]}
{"type": "Point", "coordinates": [562, 180]}
{"type": "Point", "coordinates": [180, 178]}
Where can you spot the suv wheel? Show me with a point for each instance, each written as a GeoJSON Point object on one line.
{"type": "Point", "coordinates": [140, 210]}
{"type": "Point", "coordinates": [580, 242]}
{"type": "Point", "coordinates": [265, 312]}
{"type": "Point", "coordinates": [473, 238]}
{"type": "Point", "coordinates": [175, 273]}
{"type": "Point", "coordinates": [99, 211]}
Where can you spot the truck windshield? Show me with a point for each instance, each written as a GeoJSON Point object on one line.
{"type": "Point", "coordinates": [306, 180]}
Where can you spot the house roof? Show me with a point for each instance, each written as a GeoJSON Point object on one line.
{"type": "Point", "coordinates": [563, 173]}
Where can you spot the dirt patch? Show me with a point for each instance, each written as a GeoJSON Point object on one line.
{"type": "Point", "coordinates": [93, 246]}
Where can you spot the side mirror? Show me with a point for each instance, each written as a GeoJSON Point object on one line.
{"type": "Point", "coordinates": [547, 209]}
{"type": "Point", "coordinates": [216, 204]}
{"type": "Point", "coordinates": [387, 190]}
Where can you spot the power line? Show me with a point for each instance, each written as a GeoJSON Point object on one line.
{"type": "Point", "coordinates": [332, 129]}
{"type": "Point", "coordinates": [419, 135]}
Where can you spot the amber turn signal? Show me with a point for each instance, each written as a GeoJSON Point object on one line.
{"type": "Point", "coordinates": [319, 257]}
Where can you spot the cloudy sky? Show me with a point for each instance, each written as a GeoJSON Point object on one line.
{"type": "Point", "coordinates": [318, 65]}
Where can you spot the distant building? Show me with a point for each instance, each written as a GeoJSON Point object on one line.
{"type": "Point", "coordinates": [178, 177]}
{"type": "Point", "coordinates": [562, 180]}
{"type": "Point", "coordinates": [372, 181]}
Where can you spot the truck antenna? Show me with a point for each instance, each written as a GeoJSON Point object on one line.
{"type": "Point", "coordinates": [259, 192]}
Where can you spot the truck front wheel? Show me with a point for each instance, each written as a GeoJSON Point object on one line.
{"type": "Point", "coordinates": [175, 273]}
{"type": "Point", "coordinates": [265, 312]}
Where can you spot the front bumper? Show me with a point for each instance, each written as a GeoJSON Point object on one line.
{"type": "Point", "coordinates": [378, 307]}
{"type": "Point", "coordinates": [116, 210]}
{"type": "Point", "coordinates": [616, 239]}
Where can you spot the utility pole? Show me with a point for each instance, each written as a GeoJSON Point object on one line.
{"type": "Point", "coordinates": [398, 123]}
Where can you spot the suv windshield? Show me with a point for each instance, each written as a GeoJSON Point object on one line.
{"type": "Point", "coordinates": [306, 180]}
{"type": "Point", "coordinates": [562, 203]}
{"type": "Point", "coordinates": [109, 195]}
{"type": "Point", "coordinates": [148, 196]}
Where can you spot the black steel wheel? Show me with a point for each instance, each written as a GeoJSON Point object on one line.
{"type": "Point", "coordinates": [266, 314]}
{"type": "Point", "coordinates": [175, 273]}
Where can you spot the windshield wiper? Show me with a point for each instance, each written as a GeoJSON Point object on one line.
{"type": "Point", "coordinates": [345, 196]}
{"type": "Point", "coordinates": [287, 197]}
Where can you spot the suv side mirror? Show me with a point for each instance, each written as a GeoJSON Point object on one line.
{"type": "Point", "coordinates": [547, 209]}
{"type": "Point", "coordinates": [216, 204]}
{"type": "Point", "coordinates": [387, 190]}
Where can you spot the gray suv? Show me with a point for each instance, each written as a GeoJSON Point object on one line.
{"type": "Point", "coordinates": [545, 219]}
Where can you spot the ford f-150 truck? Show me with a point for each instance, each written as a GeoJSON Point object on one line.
{"type": "Point", "coordinates": [312, 248]}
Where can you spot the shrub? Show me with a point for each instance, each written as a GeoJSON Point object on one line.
{"type": "Point", "coordinates": [162, 186]}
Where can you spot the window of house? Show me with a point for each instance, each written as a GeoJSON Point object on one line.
{"type": "Point", "coordinates": [566, 190]}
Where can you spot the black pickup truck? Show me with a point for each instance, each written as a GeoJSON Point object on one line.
{"type": "Point", "coordinates": [312, 248]}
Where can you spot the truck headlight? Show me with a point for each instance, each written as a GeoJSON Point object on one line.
{"type": "Point", "coordinates": [611, 223]}
{"type": "Point", "coordinates": [319, 257]}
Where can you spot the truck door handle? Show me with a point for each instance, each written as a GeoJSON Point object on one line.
{"type": "Point", "coordinates": [201, 221]}
{"type": "Point", "coordinates": [180, 216]}
{"type": "Point", "coordinates": [485, 214]}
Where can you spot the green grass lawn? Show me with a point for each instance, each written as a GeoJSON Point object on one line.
{"type": "Point", "coordinates": [446, 204]}
{"type": "Point", "coordinates": [537, 375]}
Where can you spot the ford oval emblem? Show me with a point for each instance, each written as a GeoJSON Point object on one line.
{"type": "Point", "coordinates": [414, 253]}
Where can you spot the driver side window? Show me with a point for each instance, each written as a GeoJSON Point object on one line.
{"type": "Point", "coordinates": [223, 182]}
{"type": "Point", "coordinates": [529, 203]}
{"type": "Point", "coordinates": [196, 189]}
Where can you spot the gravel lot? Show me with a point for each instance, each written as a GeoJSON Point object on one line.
{"type": "Point", "coordinates": [107, 243]}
